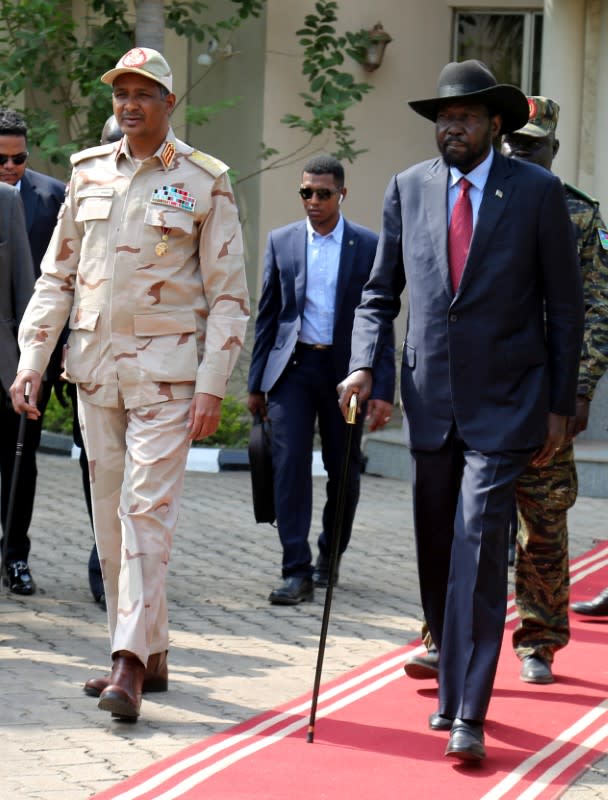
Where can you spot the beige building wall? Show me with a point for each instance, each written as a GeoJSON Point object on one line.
{"type": "Point", "coordinates": [264, 71]}
{"type": "Point", "coordinates": [393, 135]}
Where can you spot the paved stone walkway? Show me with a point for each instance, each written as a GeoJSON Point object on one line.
{"type": "Point", "coordinates": [232, 654]}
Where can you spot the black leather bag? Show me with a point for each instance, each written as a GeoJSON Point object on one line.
{"type": "Point", "coordinates": [260, 462]}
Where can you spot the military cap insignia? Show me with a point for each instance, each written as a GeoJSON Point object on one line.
{"type": "Point", "coordinates": [174, 197]}
{"type": "Point", "coordinates": [603, 234]}
{"type": "Point", "coordinates": [134, 58]}
{"type": "Point", "coordinates": [167, 154]}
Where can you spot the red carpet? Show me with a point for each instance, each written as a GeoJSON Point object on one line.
{"type": "Point", "coordinates": [372, 740]}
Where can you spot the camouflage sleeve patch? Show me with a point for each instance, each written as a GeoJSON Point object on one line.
{"type": "Point", "coordinates": [213, 165]}
{"type": "Point", "coordinates": [603, 234]}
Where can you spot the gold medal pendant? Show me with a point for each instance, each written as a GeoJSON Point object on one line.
{"type": "Point", "coordinates": [162, 248]}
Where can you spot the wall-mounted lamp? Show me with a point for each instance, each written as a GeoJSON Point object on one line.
{"type": "Point", "coordinates": [378, 39]}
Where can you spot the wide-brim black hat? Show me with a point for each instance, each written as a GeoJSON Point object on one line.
{"type": "Point", "coordinates": [472, 81]}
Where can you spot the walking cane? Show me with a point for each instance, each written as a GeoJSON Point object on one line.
{"type": "Point", "coordinates": [351, 419]}
{"type": "Point", "coordinates": [14, 481]}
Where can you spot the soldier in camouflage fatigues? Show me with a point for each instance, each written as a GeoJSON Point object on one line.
{"type": "Point", "coordinates": [147, 263]}
{"type": "Point", "coordinates": [544, 494]}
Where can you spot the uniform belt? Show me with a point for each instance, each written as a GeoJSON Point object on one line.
{"type": "Point", "coordinates": [308, 346]}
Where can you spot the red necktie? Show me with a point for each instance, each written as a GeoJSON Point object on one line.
{"type": "Point", "coordinates": [459, 233]}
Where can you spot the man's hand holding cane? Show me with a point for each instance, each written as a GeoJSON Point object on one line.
{"type": "Point", "coordinates": [24, 393]}
{"type": "Point", "coordinates": [358, 382]}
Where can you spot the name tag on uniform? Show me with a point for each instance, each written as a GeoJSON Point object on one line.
{"type": "Point", "coordinates": [174, 197]}
{"type": "Point", "coordinates": [96, 191]}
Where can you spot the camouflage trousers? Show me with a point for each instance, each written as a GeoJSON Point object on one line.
{"type": "Point", "coordinates": [137, 459]}
{"type": "Point", "coordinates": [542, 578]}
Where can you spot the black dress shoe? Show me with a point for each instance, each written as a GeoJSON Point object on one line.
{"type": "Point", "coordinates": [292, 591]}
{"type": "Point", "coordinates": [423, 667]}
{"type": "Point", "coordinates": [466, 741]}
{"type": "Point", "coordinates": [437, 722]}
{"type": "Point", "coordinates": [320, 575]}
{"type": "Point", "coordinates": [598, 607]}
{"type": "Point", "coordinates": [19, 578]}
{"type": "Point", "coordinates": [536, 669]}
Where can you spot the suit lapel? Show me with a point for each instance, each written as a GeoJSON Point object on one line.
{"type": "Point", "coordinates": [298, 244]}
{"type": "Point", "coordinates": [495, 201]}
{"type": "Point", "coordinates": [436, 202]}
{"type": "Point", "coordinates": [345, 268]}
{"type": "Point", "coordinates": [30, 201]}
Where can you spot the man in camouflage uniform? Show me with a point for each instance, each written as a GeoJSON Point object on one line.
{"type": "Point", "coordinates": [147, 263]}
{"type": "Point", "coordinates": [544, 494]}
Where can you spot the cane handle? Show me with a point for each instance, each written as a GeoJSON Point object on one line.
{"type": "Point", "coordinates": [352, 410]}
{"type": "Point", "coordinates": [26, 391]}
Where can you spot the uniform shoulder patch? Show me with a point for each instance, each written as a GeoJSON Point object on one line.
{"type": "Point", "coordinates": [92, 152]}
{"type": "Point", "coordinates": [582, 195]}
{"type": "Point", "coordinates": [603, 234]}
{"type": "Point", "coordinates": [213, 165]}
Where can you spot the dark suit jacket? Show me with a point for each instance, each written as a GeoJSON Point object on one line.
{"type": "Point", "coordinates": [480, 357]}
{"type": "Point", "coordinates": [281, 306]}
{"type": "Point", "coordinates": [42, 198]}
{"type": "Point", "coordinates": [16, 279]}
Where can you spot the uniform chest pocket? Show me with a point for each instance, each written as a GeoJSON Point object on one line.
{"type": "Point", "coordinates": [93, 207]}
{"type": "Point", "coordinates": [178, 223]}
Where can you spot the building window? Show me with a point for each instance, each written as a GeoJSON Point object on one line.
{"type": "Point", "coordinates": [508, 42]}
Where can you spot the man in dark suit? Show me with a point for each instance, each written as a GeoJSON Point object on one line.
{"type": "Point", "coordinates": [16, 286]}
{"type": "Point", "coordinates": [42, 198]}
{"type": "Point", "coordinates": [484, 244]}
{"type": "Point", "coordinates": [314, 273]}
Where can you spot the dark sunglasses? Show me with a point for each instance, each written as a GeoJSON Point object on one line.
{"type": "Point", "coordinates": [19, 159]}
{"type": "Point", "coordinates": [322, 194]}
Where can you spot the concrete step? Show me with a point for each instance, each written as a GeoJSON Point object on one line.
{"type": "Point", "coordinates": [388, 456]}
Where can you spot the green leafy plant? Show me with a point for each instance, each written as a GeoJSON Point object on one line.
{"type": "Point", "coordinates": [51, 60]}
{"type": "Point", "coordinates": [332, 91]}
{"type": "Point", "coordinates": [57, 418]}
{"type": "Point", "coordinates": [55, 64]}
{"type": "Point", "coordinates": [234, 427]}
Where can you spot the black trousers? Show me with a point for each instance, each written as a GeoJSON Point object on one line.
{"type": "Point", "coordinates": [305, 394]}
{"type": "Point", "coordinates": [18, 545]}
{"type": "Point", "coordinates": [463, 502]}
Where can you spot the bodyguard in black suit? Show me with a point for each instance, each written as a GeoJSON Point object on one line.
{"type": "Point", "coordinates": [486, 387]}
{"type": "Point", "coordinates": [314, 273]}
{"type": "Point", "coordinates": [42, 197]}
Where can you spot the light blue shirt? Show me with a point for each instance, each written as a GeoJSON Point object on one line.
{"type": "Point", "coordinates": [477, 177]}
{"type": "Point", "coordinates": [322, 264]}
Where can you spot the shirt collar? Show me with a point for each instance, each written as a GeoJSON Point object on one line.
{"type": "Point", "coordinates": [336, 234]}
{"type": "Point", "coordinates": [478, 176]}
{"type": "Point", "coordinates": [165, 148]}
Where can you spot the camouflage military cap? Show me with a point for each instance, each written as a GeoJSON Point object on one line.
{"type": "Point", "coordinates": [142, 61]}
{"type": "Point", "coordinates": [542, 121]}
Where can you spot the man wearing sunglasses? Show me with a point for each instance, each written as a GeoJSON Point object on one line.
{"type": "Point", "coordinates": [314, 273]}
{"type": "Point", "coordinates": [42, 197]}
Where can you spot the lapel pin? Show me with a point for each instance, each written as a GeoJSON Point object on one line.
{"type": "Point", "coordinates": [351, 242]}
{"type": "Point", "coordinates": [499, 193]}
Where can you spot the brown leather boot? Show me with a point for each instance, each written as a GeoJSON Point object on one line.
{"type": "Point", "coordinates": [122, 697]}
{"type": "Point", "coordinates": [156, 678]}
